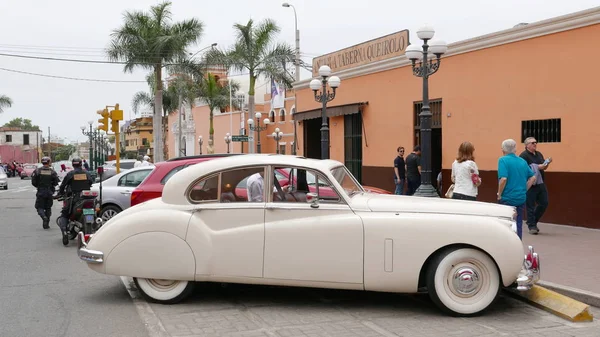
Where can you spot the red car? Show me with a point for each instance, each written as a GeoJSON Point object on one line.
{"type": "Point", "coordinates": [153, 185]}
{"type": "Point", "coordinates": [28, 170]}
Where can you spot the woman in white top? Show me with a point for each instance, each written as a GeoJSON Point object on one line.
{"type": "Point", "coordinates": [465, 174]}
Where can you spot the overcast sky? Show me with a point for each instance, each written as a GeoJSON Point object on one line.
{"type": "Point", "coordinates": [81, 30]}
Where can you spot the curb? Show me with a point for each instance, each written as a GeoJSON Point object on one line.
{"type": "Point", "coordinates": [555, 303]}
{"type": "Point", "coordinates": [584, 296]}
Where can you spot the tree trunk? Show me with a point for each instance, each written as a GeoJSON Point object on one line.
{"type": "Point", "coordinates": [251, 108]}
{"type": "Point", "coordinates": [157, 121]}
{"type": "Point", "coordinates": [211, 132]}
{"type": "Point", "coordinates": [165, 133]}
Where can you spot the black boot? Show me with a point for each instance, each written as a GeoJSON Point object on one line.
{"type": "Point", "coordinates": [45, 223]}
{"type": "Point", "coordinates": [65, 238]}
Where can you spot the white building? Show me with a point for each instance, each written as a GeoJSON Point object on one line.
{"type": "Point", "coordinates": [17, 137]}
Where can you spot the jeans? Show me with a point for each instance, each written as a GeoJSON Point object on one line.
{"type": "Point", "coordinates": [536, 194]}
{"type": "Point", "coordinates": [399, 186]}
{"type": "Point", "coordinates": [463, 197]}
{"type": "Point", "coordinates": [519, 217]}
{"type": "Point", "coordinates": [413, 184]}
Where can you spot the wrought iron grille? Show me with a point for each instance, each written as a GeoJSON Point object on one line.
{"type": "Point", "coordinates": [544, 130]}
{"type": "Point", "coordinates": [435, 106]}
{"type": "Point", "coordinates": [353, 144]}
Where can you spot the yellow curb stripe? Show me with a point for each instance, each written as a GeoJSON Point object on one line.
{"type": "Point", "coordinates": [557, 304]}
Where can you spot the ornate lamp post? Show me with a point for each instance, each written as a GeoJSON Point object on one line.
{"type": "Point", "coordinates": [293, 113]}
{"type": "Point", "coordinates": [257, 127]}
{"type": "Point", "coordinates": [200, 143]}
{"type": "Point", "coordinates": [277, 135]}
{"type": "Point", "coordinates": [227, 140]}
{"type": "Point", "coordinates": [90, 135]}
{"type": "Point", "coordinates": [429, 58]}
{"type": "Point", "coordinates": [324, 96]}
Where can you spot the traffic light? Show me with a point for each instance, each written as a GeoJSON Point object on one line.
{"type": "Point", "coordinates": [114, 127]}
{"type": "Point", "coordinates": [104, 120]}
{"type": "Point", "coordinates": [116, 114]}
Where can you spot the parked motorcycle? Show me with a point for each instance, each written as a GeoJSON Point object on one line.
{"type": "Point", "coordinates": [84, 214]}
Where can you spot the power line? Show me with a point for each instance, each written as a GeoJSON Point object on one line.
{"type": "Point", "coordinates": [70, 78]}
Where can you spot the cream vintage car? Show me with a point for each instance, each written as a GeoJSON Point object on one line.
{"type": "Point", "coordinates": [338, 236]}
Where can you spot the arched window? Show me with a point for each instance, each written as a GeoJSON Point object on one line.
{"type": "Point", "coordinates": [272, 116]}
{"type": "Point", "coordinates": [282, 115]}
{"type": "Point", "coordinates": [293, 114]}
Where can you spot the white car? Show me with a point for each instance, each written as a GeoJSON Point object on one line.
{"type": "Point", "coordinates": [339, 236]}
{"type": "Point", "coordinates": [3, 179]}
{"type": "Point", "coordinates": [116, 191]}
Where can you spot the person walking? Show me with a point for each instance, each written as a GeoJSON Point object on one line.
{"type": "Point", "coordinates": [465, 173]}
{"type": "Point", "coordinates": [45, 180]}
{"type": "Point", "coordinates": [413, 170]}
{"type": "Point", "coordinates": [399, 171]}
{"type": "Point", "coordinates": [515, 177]}
{"type": "Point", "coordinates": [537, 195]}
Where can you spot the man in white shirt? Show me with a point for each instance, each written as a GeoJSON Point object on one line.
{"type": "Point", "coordinates": [138, 162]}
{"type": "Point", "coordinates": [255, 187]}
{"type": "Point", "coordinates": [146, 161]}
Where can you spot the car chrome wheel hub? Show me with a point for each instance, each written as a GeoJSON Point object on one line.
{"type": "Point", "coordinates": [162, 284]}
{"type": "Point", "coordinates": [108, 214]}
{"type": "Point", "coordinates": [465, 281]}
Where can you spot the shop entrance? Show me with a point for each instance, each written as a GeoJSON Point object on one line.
{"type": "Point", "coordinates": [353, 144]}
{"type": "Point", "coordinates": [436, 135]}
{"type": "Point", "coordinates": [312, 138]}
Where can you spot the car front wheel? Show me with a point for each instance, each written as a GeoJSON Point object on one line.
{"type": "Point", "coordinates": [463, 281]}
{"type": "Point", "coordinates": [163, 291]}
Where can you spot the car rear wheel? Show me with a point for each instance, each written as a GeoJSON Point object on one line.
{"type": "Point", "coordinates": [108, 212]}
{"type": "Point", "coordinates": [463, 281]}
{"type": "Point", "coordinates": [163, 291]}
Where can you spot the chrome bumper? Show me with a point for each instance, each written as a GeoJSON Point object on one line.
{"type": "Point", "coordinates": [530, 274]}
{"type": "Point", "coordinates": [87, 255]}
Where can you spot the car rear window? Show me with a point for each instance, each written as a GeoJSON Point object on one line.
{"type": "Point", "coordinates": [171, 173]}
{"type": "Point", "coordinates": [127, 165]}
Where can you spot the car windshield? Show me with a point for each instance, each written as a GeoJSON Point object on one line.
{"type": "Point", "coordinates": [345, 178]}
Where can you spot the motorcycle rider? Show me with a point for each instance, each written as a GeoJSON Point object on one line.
{"type": "Point", "coordinates": [45, 180]}
{"type": "Point", "coordinates": [75, 181]}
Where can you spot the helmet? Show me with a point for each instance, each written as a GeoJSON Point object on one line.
{"type": "Point", "coordinates": [76, 162]}
{"type": "Point", "coordinates": [146, 158]}
{"type": "Point", "coordinates": [46, 160]}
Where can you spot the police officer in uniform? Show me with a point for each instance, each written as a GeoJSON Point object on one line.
{"type": "Point", "coordinates": [45, 180]}
{"type": "Point", "coordinates": [74, 182]}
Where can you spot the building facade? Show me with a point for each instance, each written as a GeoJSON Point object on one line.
{"type": "Point", "coordinates": [137, 136]}
{"type": "Point", "coordinates": [514, 83]}
{"type": "Point", "coordinates": [20, 145]}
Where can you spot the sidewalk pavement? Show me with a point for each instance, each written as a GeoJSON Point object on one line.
{"type": "Point", "coordinates": [569, 255]}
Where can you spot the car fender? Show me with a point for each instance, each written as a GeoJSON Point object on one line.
{"type": "Point", "coordinates": [408, 240]}
{"type": "Point", "coordinates": [145, 239]}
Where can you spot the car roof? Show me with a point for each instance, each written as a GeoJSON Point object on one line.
{"type": "Point", "coordinates": [172, 192]}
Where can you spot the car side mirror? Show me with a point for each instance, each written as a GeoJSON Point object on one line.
{"type": "Point", "coordinates": [313, 199]}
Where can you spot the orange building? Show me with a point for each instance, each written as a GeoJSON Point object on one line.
{"type": "Point", "coordinates": [535, 79]}
{"type": "Point", "coordinates": [138, 136]}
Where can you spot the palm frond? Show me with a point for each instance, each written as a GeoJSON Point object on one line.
{"type": "Point", "coordinates": [141, 98]}
{"type": "Point", "coordinates": [5, 102]}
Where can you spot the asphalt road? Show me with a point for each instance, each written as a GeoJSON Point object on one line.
{"type": "Point", "coordinates": [45, 290]}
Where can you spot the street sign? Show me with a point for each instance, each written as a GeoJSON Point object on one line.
{"type": "Point", "coordinates": [239, 138]}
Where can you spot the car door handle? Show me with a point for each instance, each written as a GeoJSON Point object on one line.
{"type": "Point", "coordinates": [126, 192]}
{"type": "Point", "coordinates": [273, 207]}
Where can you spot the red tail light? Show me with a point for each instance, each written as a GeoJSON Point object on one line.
{"type": "Point", "coordinates": [135, 197]}
{"type": "Point", "coordinates": [88, 204]}
{"type": "Point", "coordinates": [87, 237]}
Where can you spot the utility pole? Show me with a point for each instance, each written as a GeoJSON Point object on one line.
{"type": "Point", "coordinates": [49, 145]}
{"type": "Point", "coordinates": [180, 124]}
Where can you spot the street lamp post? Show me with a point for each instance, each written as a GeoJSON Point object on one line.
{"type": "Point", "coordinates": [297, 60]}
{"type": "Point", "coordinates": [257, 127]}
{"type": "Point", "coordinates": [429, 58]}
{"type": "Point", "coordinates": [324, 96]}
{"type": "Point", "coordinates": [293, 113]}
{"type": "Point", "coordinates": [200, 143]}
{"type": "Point", "coordinates": [90, 135]}
{"type": "Point", "coordinates": [277, 135]}
{"type": "Point", "coordinates": [228, 140]}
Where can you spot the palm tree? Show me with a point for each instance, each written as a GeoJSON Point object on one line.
{"type": "Point", "coordinates": [5, 102]}
{"type": "Point", "coordinates": [149, 40]}
{"type": "Point", "coordinates": [216, 96]}
{"type": "Point", "coordinates": [255, 52]}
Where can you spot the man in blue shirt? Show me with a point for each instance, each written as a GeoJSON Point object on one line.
{"type": "Point", "coordinates": [515, 178]}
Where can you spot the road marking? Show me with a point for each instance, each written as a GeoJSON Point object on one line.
{"type": "Point", "coordinates": [151, 321]}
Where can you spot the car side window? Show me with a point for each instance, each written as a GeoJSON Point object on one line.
{"type": "Point", "coordinates": [235, 187]}
{"type": "Point", "coordinates": [295, 183]}
{"type": "Point", "coordinates": [205, 190]}
{"type": "Point", "coordinates": [133, 179]}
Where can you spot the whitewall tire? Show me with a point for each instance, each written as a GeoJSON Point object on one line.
{"type": "Point", "coordinates": [164, 291]}
{"type": "Point", "coordinates": [463, 281]}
